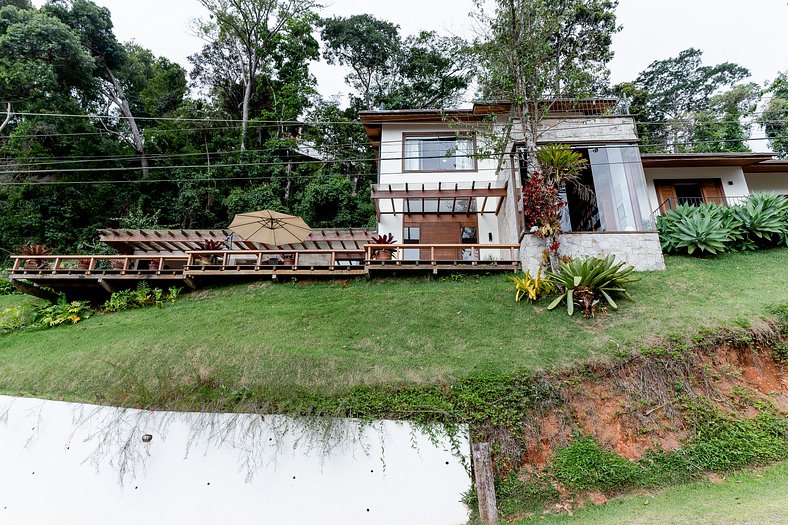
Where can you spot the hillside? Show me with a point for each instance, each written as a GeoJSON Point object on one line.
{"type": "Point", "coordinates": [327, 337]}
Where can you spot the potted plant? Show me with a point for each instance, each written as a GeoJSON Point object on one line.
{"type": "Point", "coordinates": [117, 264]}
{"type": "Point", "coordinates": [83, 264]}
{"type": "Point", "coordinates": [154, 264]}
{"type": "Point", "coordinates": [383, 254]}
{"type": "Point", "coordinates": [35, 250]}
{"type": "Point", "coordinates": [209, 246]}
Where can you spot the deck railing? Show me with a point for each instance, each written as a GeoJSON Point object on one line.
{"type": "Point", "coordinates": [471, 254]}
{"type": "Point", "coordinates": [219, 259]}
{"type": "Point", "coordinates": [89, 264]}
{"type": "Point", "coordinates": [671, 204]}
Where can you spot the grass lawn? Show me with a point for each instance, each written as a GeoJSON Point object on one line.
{"type": "Point", "coordinates": [326, 337]}
{"type": "Point", "coordinates": [747, 498]}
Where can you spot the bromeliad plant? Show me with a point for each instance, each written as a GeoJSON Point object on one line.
{"type": "Point", "coordinates": [589, 280]}
{"type": "Point", "coordinates": [383, 254]}
{"type": "Point", "coordinates": [531, 287]}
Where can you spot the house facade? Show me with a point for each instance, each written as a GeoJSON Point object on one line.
{"type": "Point", "coordinates": [448, 178]}
{"type": "Point", "coordinates": [723, 178]}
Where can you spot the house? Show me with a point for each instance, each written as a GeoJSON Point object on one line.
{"type": "Point", "coordinates": [446, 178]}
{"type": "Point", "coordinates": [724, 178]}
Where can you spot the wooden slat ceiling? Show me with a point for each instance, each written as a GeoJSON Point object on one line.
{"type": "Point", "coordinates": [128, 241]}
{"type": "Point", "coordinates": [769, 166]}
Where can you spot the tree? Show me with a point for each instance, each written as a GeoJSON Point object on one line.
{"type": "Point", "coordinates": [721, 127]}
{"type": "Point", "coordinates": [422, 71]}
{"type": "Point", "coordinates": [20, 4]}
{"type": "Point", "coordinates": [533, 52]}
{"type": "Point", "coordinates": [94, 25]}
{"type": "Point", "coordinates": [246, 30]}
{"type": "Point", "coordinates": [367, 46]}
{"type": "Point", "coordinates": [775, 116]}
{"type": "Point", "coordinates": [670, 92]}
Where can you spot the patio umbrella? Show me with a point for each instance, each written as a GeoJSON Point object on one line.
{"type": "Point", "coordinates": [270, 227]}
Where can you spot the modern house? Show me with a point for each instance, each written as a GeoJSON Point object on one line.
{"type": "Point", "coordinates": [449, 190]}
{"type": "Point", "coordinates": [446, 177]}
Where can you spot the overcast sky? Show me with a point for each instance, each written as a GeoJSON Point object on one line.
{"type": "Point", "coordinates": [751, 33]}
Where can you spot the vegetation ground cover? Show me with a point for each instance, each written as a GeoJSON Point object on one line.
{"type": "Point", "coordinates": [744, 498]}
{"type": "Point", "coordinates": [324, 338]}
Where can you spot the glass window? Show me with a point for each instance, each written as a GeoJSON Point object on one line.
{"type": "Point", "coordinates": [411, 235]}
{"type": "Point", "coordinates": [620, 186]}
{"type": "Point", "coordinates": [447, 205]}
{"type": "Point", "coordinates": [439, 153]}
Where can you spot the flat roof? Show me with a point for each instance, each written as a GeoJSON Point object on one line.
{"type": "Point", "coordinates": [768, 166]}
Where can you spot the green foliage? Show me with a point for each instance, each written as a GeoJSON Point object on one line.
{"type": "Point", "coordinates": [516, 496]}
{"type": "Point", "coordinates": [43, 315]}
{"type": "Point", "coordinates": [761, 221]}
{"type": "Point", "coordinates": [62, 312]}
{"type": "Point", "coordinates": [588, 280]}
{"type": "Point", "coordinates": [6, 288]}
{"type": "Point", "coordinates": [774, 118]}
{"type": "Point", "coordinates": [585, 465]}
{"type": "Point", "coordinates": [531, 287]}
{"type": "Point", "coordinates": [142, 297]}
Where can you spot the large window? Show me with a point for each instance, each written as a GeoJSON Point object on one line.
{"type": "Point", "coordinates": [447, 152]}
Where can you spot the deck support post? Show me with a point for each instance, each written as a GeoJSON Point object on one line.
{"type": "Point", "coordinates": [191, 283]}
{"type": "Point", "coordinates": [485, 483]}
{"type": "Point", "coordinates": [108, 287]}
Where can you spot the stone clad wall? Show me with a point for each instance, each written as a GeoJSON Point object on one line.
{"type": "Point", "coordinates": [641, 250]}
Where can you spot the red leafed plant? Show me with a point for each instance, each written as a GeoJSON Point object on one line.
{"type": "Point", "coordinates": [383, 239]}
{"type": "Point", "coordinates": [541, 205]}
{"type": "Point", "coordinates": [210, 245]}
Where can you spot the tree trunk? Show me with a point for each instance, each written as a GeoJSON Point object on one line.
{"type": "Point", "coordinates": [7, 118]}
{"type": "Point", "coordinates": [245, 115]}
{"type": "Point", "coordinates": [137, 140]}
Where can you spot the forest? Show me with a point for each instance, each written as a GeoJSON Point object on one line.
{"type": "Point", "coordinates": [97, 133]}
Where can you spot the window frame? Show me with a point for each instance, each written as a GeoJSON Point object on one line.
{"type": "Point", "coordinates": [437, 134]}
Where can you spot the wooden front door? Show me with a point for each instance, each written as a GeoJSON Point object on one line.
{"type": "Point", "coordinates": [443, 232]}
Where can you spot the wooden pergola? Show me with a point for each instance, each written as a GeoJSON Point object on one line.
{"type": "Point", "coordinates": [443, 198]}
{"type": "Point", "coordinates": [175, 241]}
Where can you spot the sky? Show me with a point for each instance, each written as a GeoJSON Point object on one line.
{"type": "Point", "coordinates": [750, 33]}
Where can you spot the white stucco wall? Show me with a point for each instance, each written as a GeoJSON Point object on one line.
{"type": "Point", "coordinates": [727, 174]}
{"type": "Point", "coordinates": [768, 182]}
{"type": "Point", "coordinates": [60, 463]}
{"type": "Point", "coordinates": [640, 250]}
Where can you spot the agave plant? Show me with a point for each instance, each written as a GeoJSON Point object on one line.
{"type": "Point", "coordinates": [702, 229]}
{"type": "Point", "coordinates": [764, 218]}
{"type": "Point", "coordinates": [588, 280]}
{"type": "Point", "coordinates": [531, 286]}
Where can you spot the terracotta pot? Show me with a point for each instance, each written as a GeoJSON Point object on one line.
{"type": "Point", "coordinates": [383, 255]}
{"type": "Point", "coordinates": [31, 265]}
{"type": "Point", "coordinates": [83, 265]}
{"type": "Point", "coordinates": [288, 260]}
{"type": "Point", "coordinates": [116, 264]}
{"type": "Point", "coordinates": [206, 261]}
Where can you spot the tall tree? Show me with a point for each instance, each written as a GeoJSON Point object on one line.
{"type": "Point", "coordinates": [775, 116]}
{"type": "Point", "coordinates": [94, 25]}
{"type": "Point", "coordinates": [670, 92]}
{"type": "Point", "coordinates": [723, 126]}
{"type": "Point", "coordinates": [367, 46]}
{"type": "Point", "coordinates": [248, 28]}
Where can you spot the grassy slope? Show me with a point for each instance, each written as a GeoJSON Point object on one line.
{"type": "Point", "coordinates": [749, 498]}
{"type": "Point", "coordinates": [324, 337]}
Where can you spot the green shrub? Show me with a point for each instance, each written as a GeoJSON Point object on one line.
{"type": "Point", "coordinates": [585, 465]}
{"type": "Point", "coordinates": [764, 219]}
{"type": "Point", "coordinates": [531, 287]}
{"type": "Point", "coordinates": [701, 229]}
{"type": "Point", "coordinates": [761, 221]}
{"type": "Point", "coordinates": [588, 280]}
{"type": "Point", "coordinates": [6, 288]}
{"type": "Point", "coordinates": [143, 296]}
{"type": "Point", "coordinates": [61, 312]}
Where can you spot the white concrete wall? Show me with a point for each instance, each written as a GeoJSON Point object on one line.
{"type": "Point", "coordinates": [61, 464]}
{"type": "Point", "coordinates": [768, 182]}
{"type": "Point", "coordinates": [727, 174]}
{"type": "Point", "coordinates": [640, 250]}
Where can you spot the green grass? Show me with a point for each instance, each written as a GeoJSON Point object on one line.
{"type": "Point", "coordinates": [746, 498]}
{"type": "Point", "coordinates": [324, 338]}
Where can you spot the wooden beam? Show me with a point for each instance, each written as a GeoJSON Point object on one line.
{"type": "Point", "coordinates": [485, 483]}
{"type": "Point", "coordinates": [445, 194]}
{"type": "Point", "coordinates": [108, 287]}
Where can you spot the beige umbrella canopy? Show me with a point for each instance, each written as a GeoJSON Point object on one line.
{"type": "Point", "coordinates": [270, 227]}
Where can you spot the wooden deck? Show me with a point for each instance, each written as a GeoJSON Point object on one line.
{"type": "Point", "coordinates": [94, 276]}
